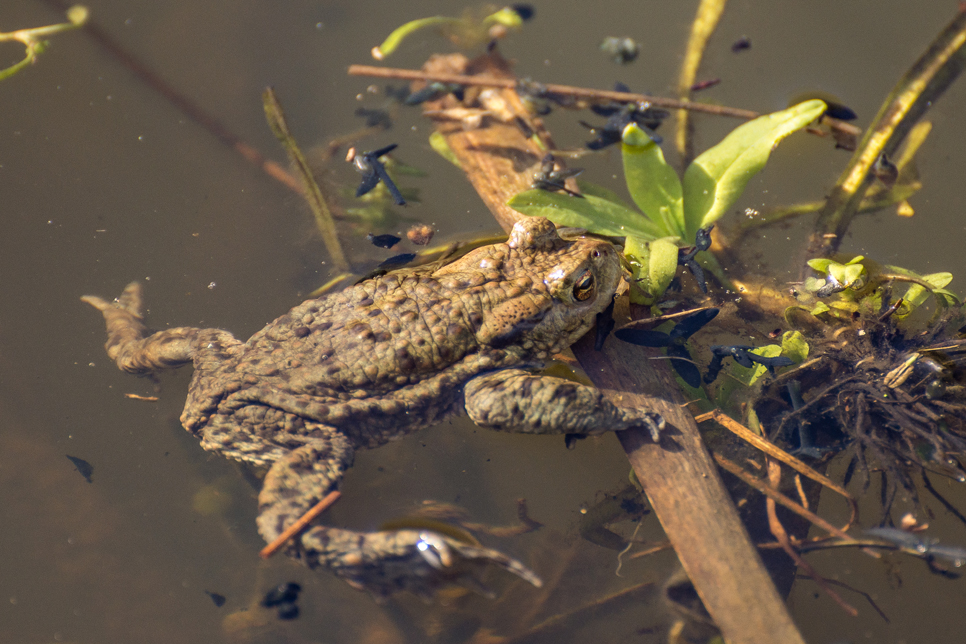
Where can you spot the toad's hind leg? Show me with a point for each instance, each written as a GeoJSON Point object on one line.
{"type": "Point", "coordinates": [381, 562]}
{"type": "Point", "coordinates": [135, 350]}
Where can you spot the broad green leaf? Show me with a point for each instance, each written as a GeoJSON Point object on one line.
{"type": "Point", "coordinates": [917, 294]}
{"type": "Point", "coordinates": [819, 264]}
{"type": "Point", "coordinates": [653, 184]}
{"type": "Point", "coordinates": [597, 190]}
{"type": "Point", "coordinates": [820, 308]}
{"type": "Point", "coordinates": [794, 346]}
{"type": "Point", "coordinates": [592, 213]}
{"type": "Point", "coordinates": [653, 265]}
{"type": "Point", "coordinates": [715, 180]}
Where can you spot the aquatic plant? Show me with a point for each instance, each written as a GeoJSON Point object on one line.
{"type": "Point", "coordinates": [673, 210]}
{"type": "Point", "coordinates": [34, 38]}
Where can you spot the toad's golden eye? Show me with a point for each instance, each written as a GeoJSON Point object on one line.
{"type": "Point", "coordinates": [584, 288]}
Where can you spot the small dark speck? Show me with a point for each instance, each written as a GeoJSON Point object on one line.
{"type": "Point", "coordinates": [288, 611]}
{"type": "Point", "coordinates": [383, 241]}
{"type": "Point", "coordinates": [167, 453]}
{"type": "Point", "coordinates": [86, 469]}
{"type": "Point", "coordinates": [487, 460]}
{"type": "Point", "coordinates": [380, 469]}
{"type": "Point", "coordinates": [219, 600]}
{"type": "Point", "coordinates": [740, 45]}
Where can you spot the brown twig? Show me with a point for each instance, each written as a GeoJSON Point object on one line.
{"type": "Point", "coordinates": [773, 451]}
{"type": "Point", "coordinates": [773, 493]}
{"type": "Point", "coordinates": [576, 92]}
{"type": "Point", "coordinates": [777, 529]}
{"type": "Point", "coordinates": [300, 525]}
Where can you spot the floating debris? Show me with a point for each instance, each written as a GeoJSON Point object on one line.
{"type": "Point", "coordinates": [375, 117]}
{"type": "Point", "coordinates": [711, 82]}
{"type": "Point", "coordinates": [420, 234]}
{"type": "Point", "coordinates": [218, 599]}
{"type": "Point", "coordinates": [621, 50]}
{"type": "Point", "coordinates": [383, 241]}
{"type": "Point", "coordinates": [740, 45]}
{"type": "Point", "coordinates": [86, 469]}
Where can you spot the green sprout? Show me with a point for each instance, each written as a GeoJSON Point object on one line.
{"type": "Point", "coordinates": [33, 39]}
{"type": "Point", "coordinates": [674, 210]}
{"type": "Point", "coordinates": [469, 31]}
{"type": "Point", "coordinates": [858, 284]}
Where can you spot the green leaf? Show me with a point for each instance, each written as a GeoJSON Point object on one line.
{"type": "Point", "coordinates": [653, 184]}
{"type": "Point", "coordinates": [715, 180]}
{"type": "Point", "coordinates": [441, 146]}
{"type": "Point", "coordinates": [820, 308]}
{"type": "Point", "coordinates": [590, 188]}
{"type": "Point", "coordinates": [653, 265]}
{"type": "Point", "coordinates": [819, 264]}
{"type": "Point", "coordinates": [592, 213]}
{"type": "Point", "coordinates": [917, 294]}
{"type": "Point", "coordinates": [794, 346]}
{"type": "Point", "coordinates": [846, 274]}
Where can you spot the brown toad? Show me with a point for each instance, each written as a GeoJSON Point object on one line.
{"type": "Point", "coordinates": [379, 360]}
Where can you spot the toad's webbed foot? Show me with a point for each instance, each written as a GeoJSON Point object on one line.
{"type": "Point", "coordinates": [136, 350]}
{"type": "Point", "coordinates": [418, 561]}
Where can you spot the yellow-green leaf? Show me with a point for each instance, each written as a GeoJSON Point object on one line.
{"type": "Point", "coordinates": [715, 180]}
{"type": "Point", "coordinates": [653, 184]}
{"type": "Point", "coordinates": [597, 215]}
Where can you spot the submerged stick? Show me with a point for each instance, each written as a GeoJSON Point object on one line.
{"type": "Point", "coordinates": [313, 194]}
{"type": "Point", "coordinates": [678, 475]}
{"type": "Point", "coordinates": [915, 92]}
{"type": "Point", "coordinates": [300, 525]}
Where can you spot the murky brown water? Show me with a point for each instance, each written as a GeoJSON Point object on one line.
{"type": "Point", "coordinates": [102, 181]}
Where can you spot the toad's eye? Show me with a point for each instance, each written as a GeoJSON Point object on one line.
{"type": "Point", "coordinates": [584, 288]}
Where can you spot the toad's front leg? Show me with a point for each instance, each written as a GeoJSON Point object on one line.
{"type": "Point", "coordinates": [517, 400]}
{"type": "Point", "coordinates": [420, 561]}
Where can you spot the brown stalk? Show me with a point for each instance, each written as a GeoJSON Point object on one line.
{"type": "Point", "coordinates": [773, 493]}
{"type": "Point", "coordinates": [300, 525]}
{"type": "Point", "coordinates": [779, 454]}
{"type": "Point", "coordinates": [777, 529]}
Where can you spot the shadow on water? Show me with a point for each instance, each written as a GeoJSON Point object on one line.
{"type": "Point", "coordinates": [102, 181]}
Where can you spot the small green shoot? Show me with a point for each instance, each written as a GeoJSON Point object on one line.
{"type": "Point", "coordinates": [33, 39]}
{"type": "Point", "coordinates": [469, 31]}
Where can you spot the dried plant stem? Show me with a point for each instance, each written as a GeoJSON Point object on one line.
{"type": "Point", "coordinates": [915, 92]}
{"type": "Point", "coordinates": [313, 194]}
{"type": "Point", "coordinates": [705, 22]}
{"type": "Point", "coordinates": [300, 525]}
{"type": "Point", "coordinates": [775, 452]}
{"type": "Point", "coordinates": [777, 529]}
